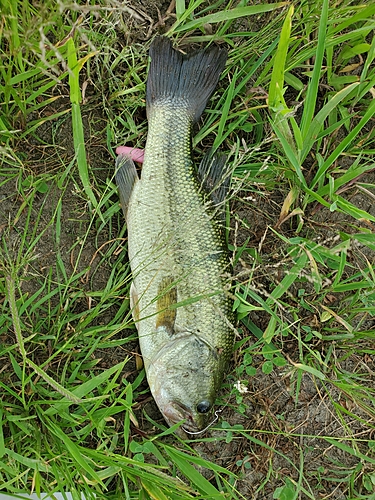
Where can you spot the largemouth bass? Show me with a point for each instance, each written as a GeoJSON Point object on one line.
{"type": "Point", "coordinates": [179, 297]}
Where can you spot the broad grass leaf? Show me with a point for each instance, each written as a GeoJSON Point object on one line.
{"type": "Point", "coordinates": [346, 178]}
{"type": "Point", "coordinates": [199, 482]}
{"type": "Point", "coordinates": [74, 450]}
{"type": "Point", "coordinates": [367, 239]}
{"type": "Point", "coordinates": [284, 135]}
{"type": "Point", "coordinates": [354, 211]}
{"type": "Point", "coordinates": [225, 15]}
{"type": "Point", "coordinates": [310, 369]}
{"type": "Point", "coordinates": [154, 491]}
{"type": "Point", "coordinates": [349, 52]}
{"type": "Point", "coordinates": [364, 14]}
{"type": "Point", "coordinates": [317, 123]}
{"type": "Point", "coordinates": [77, 125]}
{"type": "Point", "coordinates": [30, 463]}
{"type": "Point", "coordinates": [276, 89]}
{"type": "Point", "coordinates": [312, 90]}
{"type": "Point", "coordinates": [369, 113]}
{"type": "Point", "coordinates": [85, 388]}
{"type": "Point", "coordinates": [270, 330]}
{"type": "Point", "coordinates": [289, 279]}
{"type": "Point", "coordinates": [348, 449]}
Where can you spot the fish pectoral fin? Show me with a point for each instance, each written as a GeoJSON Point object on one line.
{"type": "Point", "coordinates": [167, 297]}
{"type": "Point", "coordinates": [126, 177]}
{"type": "Point", "coordinates": [134, 304]}
{"type": "Point", "coordinates": [215, 176]}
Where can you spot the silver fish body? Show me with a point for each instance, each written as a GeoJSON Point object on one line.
{"type": "Point", "coordinates": [180, 267]}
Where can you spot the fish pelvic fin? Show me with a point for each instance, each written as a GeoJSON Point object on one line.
{"type": "Point", "coordinates": [190, 79]}
{"type": "Point", "coordinates": [126, 177]}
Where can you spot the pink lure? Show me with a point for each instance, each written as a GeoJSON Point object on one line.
{"type": "Point", "coordinates": [135, 154]}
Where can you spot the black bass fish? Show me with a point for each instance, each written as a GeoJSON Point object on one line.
{"type": "Point", "coordinates": [179, 294]}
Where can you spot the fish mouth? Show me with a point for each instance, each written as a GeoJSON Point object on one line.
{"type": "Point", "coordinates": [175, 413]}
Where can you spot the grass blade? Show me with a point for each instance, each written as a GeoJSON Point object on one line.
{"type": "Point", "coordinates": [75, 451]}
{"type": "Point", "coordinates": [276, 99]}
{"type": "Point", "coordinates": [289, 279]}
{"type": "Point", "coordinates": [312, 90]}
{"type": "Point", "coordinates": [77, 124]}
{"type": "Point", "coordinates": [317, 123]}
{"type": "Point", "coordinates": [200, 482]}
{"type": "Point", "coordinates": [225, 15]}
{"type": "Point", "coordinates": [344, 144]}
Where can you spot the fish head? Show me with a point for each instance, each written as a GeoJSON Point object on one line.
{"type": "Point", "coordinates": [184, 377]}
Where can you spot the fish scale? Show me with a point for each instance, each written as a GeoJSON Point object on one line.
{"type": "Point", "coordinates": [176, 250]}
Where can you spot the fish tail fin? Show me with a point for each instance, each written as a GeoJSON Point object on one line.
{"type": "Point", "coordinates": [188, 78]}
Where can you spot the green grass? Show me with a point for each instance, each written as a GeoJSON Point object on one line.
{"type": "Point", "coordinates": [295, 112]}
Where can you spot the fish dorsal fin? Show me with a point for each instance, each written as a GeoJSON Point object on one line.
{"type": "Point", "coordinates": [215, 176]}
{"type": "Point", "coordinates": [126, 177]}
{"type": "Point", "coordinates": [167, 297]}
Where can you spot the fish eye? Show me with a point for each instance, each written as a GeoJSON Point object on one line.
{"type": "Point", "coordinates": [203, 406]}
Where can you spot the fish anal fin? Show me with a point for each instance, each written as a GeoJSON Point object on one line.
{"type": "Point", "coordinates": [126, 177]}
{"type": "Point", "coordinates": [167, 297]}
